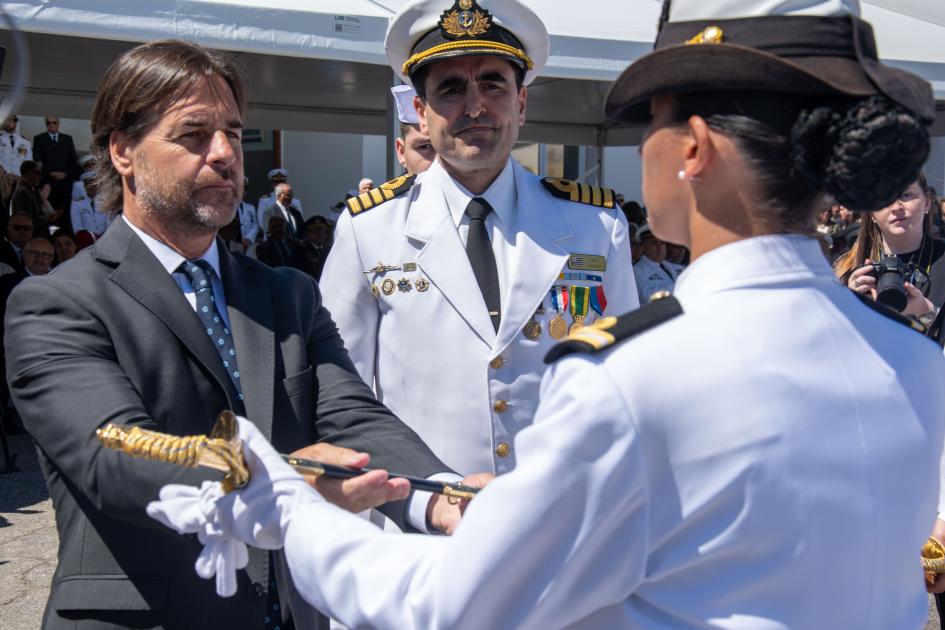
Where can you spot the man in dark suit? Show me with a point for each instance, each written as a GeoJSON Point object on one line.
{"type": "Point", "coordinates": [310, 254]}
{"type": "Point", "coordinates": [159, 326]}
{"type": "Point", "coordinates": [282, 207]}
{"type": "Point", "coordinates": [56, 152]}
{"type": "Point", "coordinates": [19, 231]}
{"type": "Point", "coordinates": [276, 250]}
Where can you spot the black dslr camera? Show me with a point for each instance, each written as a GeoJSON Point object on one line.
{"type": "Point", "coordinates": [890, 274]}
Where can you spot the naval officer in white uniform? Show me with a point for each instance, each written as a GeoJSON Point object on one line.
{"type": "Point", "coordinates": [451, 340]}
{"type": "Point", "coordinates": [759, 452]}
{"type": "Point", "coordinates": [14, 148]}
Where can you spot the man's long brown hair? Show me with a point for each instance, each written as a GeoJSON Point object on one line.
{"type": "Point", "coordinates": [136, 90]}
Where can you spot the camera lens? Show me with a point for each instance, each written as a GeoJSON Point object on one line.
{"type": "Point", "coordinates": [890, 287]}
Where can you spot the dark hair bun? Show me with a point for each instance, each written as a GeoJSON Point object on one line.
{"type": "Point", "coordinates": [864, 156]}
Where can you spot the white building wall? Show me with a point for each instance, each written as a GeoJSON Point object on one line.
{"type": "Point", "coordinates": [935, 166]}
{"type": "Point", "coordinates": [623, 172]}
{"type": "Point", "coordinates": [323, 167]}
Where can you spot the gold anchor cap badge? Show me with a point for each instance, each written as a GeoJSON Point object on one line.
{"type": "Point", "coordinates": [709, 35]}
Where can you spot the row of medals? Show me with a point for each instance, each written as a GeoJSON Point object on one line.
{"type": "Point", "coordinates": [557, 327]}
{"type": "Point", "coordinates": [403, 285]}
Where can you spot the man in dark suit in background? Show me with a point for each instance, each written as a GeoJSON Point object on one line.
{"type": "Point", "coordinates": [19, 231]}
{"type": "Point", "coordinates": [276, 250]}
{"type": "Point", "coordinates": [56, 152]}
{"type": "Point", "coordinates": [159, 326]}
{"type": "Point", "coordinates": [311, 252]}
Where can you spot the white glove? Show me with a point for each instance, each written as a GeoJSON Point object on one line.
{"type": "Point", "coordinates": [256, 515]}
{"type": "Point", "coordinates": [188, 510]}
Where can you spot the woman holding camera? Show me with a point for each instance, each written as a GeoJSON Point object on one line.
{"type": "Point", "coordinates": [900, 238]}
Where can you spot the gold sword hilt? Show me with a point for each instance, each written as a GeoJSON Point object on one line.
{"type": "Point", "coordinates": [222, 450]}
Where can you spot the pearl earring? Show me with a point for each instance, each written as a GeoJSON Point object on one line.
{"type": "Point", "coordinates": [681, 175]}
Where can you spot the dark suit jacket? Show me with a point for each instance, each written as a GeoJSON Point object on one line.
{"type": "Point", "coordinates": [111, 338]}
{"type": "Point", "coordinates": [27, 201]}
{"type": "Point", "coordinates": [59, 156]}
{"type": "Point", "coordinates": [270, 253]}
{"type": "Point", "coordinates": [8, 255]}
{"type": "Point", "coordinates": [308, 258]}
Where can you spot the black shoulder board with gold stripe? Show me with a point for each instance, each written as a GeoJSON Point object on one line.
{"type": "Point", "coordinates": [882, 309]}
{"type": "Point", "coordinates": [581, 193]}
{"type": "Point", "coordinates": [377, 196]}
{"type": "Point", "coordinates": [607, 331]}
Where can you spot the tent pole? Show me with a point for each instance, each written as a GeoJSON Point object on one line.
{"type": "Point", "coordinates": [601, 143]}
{"type": "Point", "coordinates": [393, 130]}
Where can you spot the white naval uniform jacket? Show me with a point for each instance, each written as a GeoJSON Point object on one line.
{"type": "Point", "coordinates": [433, 356]}
{"type": "Point", "coordinates": [12, 156]}
{"type": "Point", "coordinates": [767, 460]}
{"type": "Point", "coordinates": [85, 216]}
{"type": "Point", "coordinates": [652, 277]}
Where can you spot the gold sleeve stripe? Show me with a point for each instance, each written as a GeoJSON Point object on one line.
{"type": "Point", "coordinates": [596, 196]}
{"type": "Point", "coordinates": [597, 339]}
{"type": "Point", "coordinates": [354, 206]}
{"type": "Point", "coordinates": [366, 201]}
{"type": "Point", "coordinates": [376, 195]}
{"type": "Point", "coordinates": [585, 193]}
{"type": "Point", "coordinates": [388, 194]}
{"type": "Point", "coordinates": [608, 198]}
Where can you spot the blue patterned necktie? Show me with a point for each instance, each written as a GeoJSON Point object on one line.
{"type": "Point", "coordinates": [200, 273]}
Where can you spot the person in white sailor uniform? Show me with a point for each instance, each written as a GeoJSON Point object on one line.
{"type": "Point", "coordinates": [653, 276]}
{"type": "Point", "coordinates": [760, 451]}
{"type": "Point", "coordinates": [83, 213]}
{"type": "Point", "coordinates": [449, 287]}
{"type": "Point", "coordinates": [413, 149]}
{"type": "Point", "coordinates": [249, 227]}
{"type": "Point", "coordinates": [267, 202]}
{"type": "Point", "coordinates": [14, 148]}
{"type": "Point", "coordinates": [86, 163]}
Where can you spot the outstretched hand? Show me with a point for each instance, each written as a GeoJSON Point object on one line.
{"type": "Point", "coordinates": [445, 513]}
{"type": "Point", "coordinates": [360, 493]}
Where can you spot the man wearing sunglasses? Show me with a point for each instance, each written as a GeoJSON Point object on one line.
{"type": "Point", "coordinates": [56, 152]}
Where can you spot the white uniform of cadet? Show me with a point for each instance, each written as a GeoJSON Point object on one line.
{"type": "Point", "coordinates": [652, 277]}
{"type": "Point", "coordinates": [85, 216]}
{"type": "Point", "coordinates": [249, 227]}
{"type": "Point", "coordinates": [14, 153]}
{"type": "Point", "coordinates": [427, 343]}
{"type": "Point", "coordinates": [643, 503]}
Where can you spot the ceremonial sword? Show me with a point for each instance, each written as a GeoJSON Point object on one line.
{"type": "Point", "coordinates": [222, 450]}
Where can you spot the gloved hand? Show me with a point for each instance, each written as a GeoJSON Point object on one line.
{"type": "Point", "coordinates": [189, 510]}
{"type": "Point", "coordinates": [260, 513]}
{"type": "Point", "coordinates": [256, 515]}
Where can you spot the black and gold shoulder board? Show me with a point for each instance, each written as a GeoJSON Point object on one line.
{"type": "Point", "coordinates": [607, 331]}
{"type": "Point", "coordinates": [897, 317]}
{"type": "Point", "coordinates": [581, 193]}
{"type": "Point", "coordinates": [377, 196]}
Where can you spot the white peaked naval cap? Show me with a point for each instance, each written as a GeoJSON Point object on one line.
{"type": "Point", "coordinates": [424, 31]}
{"type": "Point", "coordinates": [403, 98]}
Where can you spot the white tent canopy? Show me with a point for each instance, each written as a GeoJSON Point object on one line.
{"type": "Point", "coordinates": [319, 65]}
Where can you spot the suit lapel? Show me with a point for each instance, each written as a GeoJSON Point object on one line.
{"type": "Point", "coordinates": [142, 277]}
{"type": "Point", "coordinates": [249, 308]}
{"type": "Point", "coordinates": [537, 255]}
{"type": "Point", "coordinates": [443, 259]}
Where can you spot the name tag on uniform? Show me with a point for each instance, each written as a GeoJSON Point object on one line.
{"type": "Point", "coordinates": [587, 262]}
